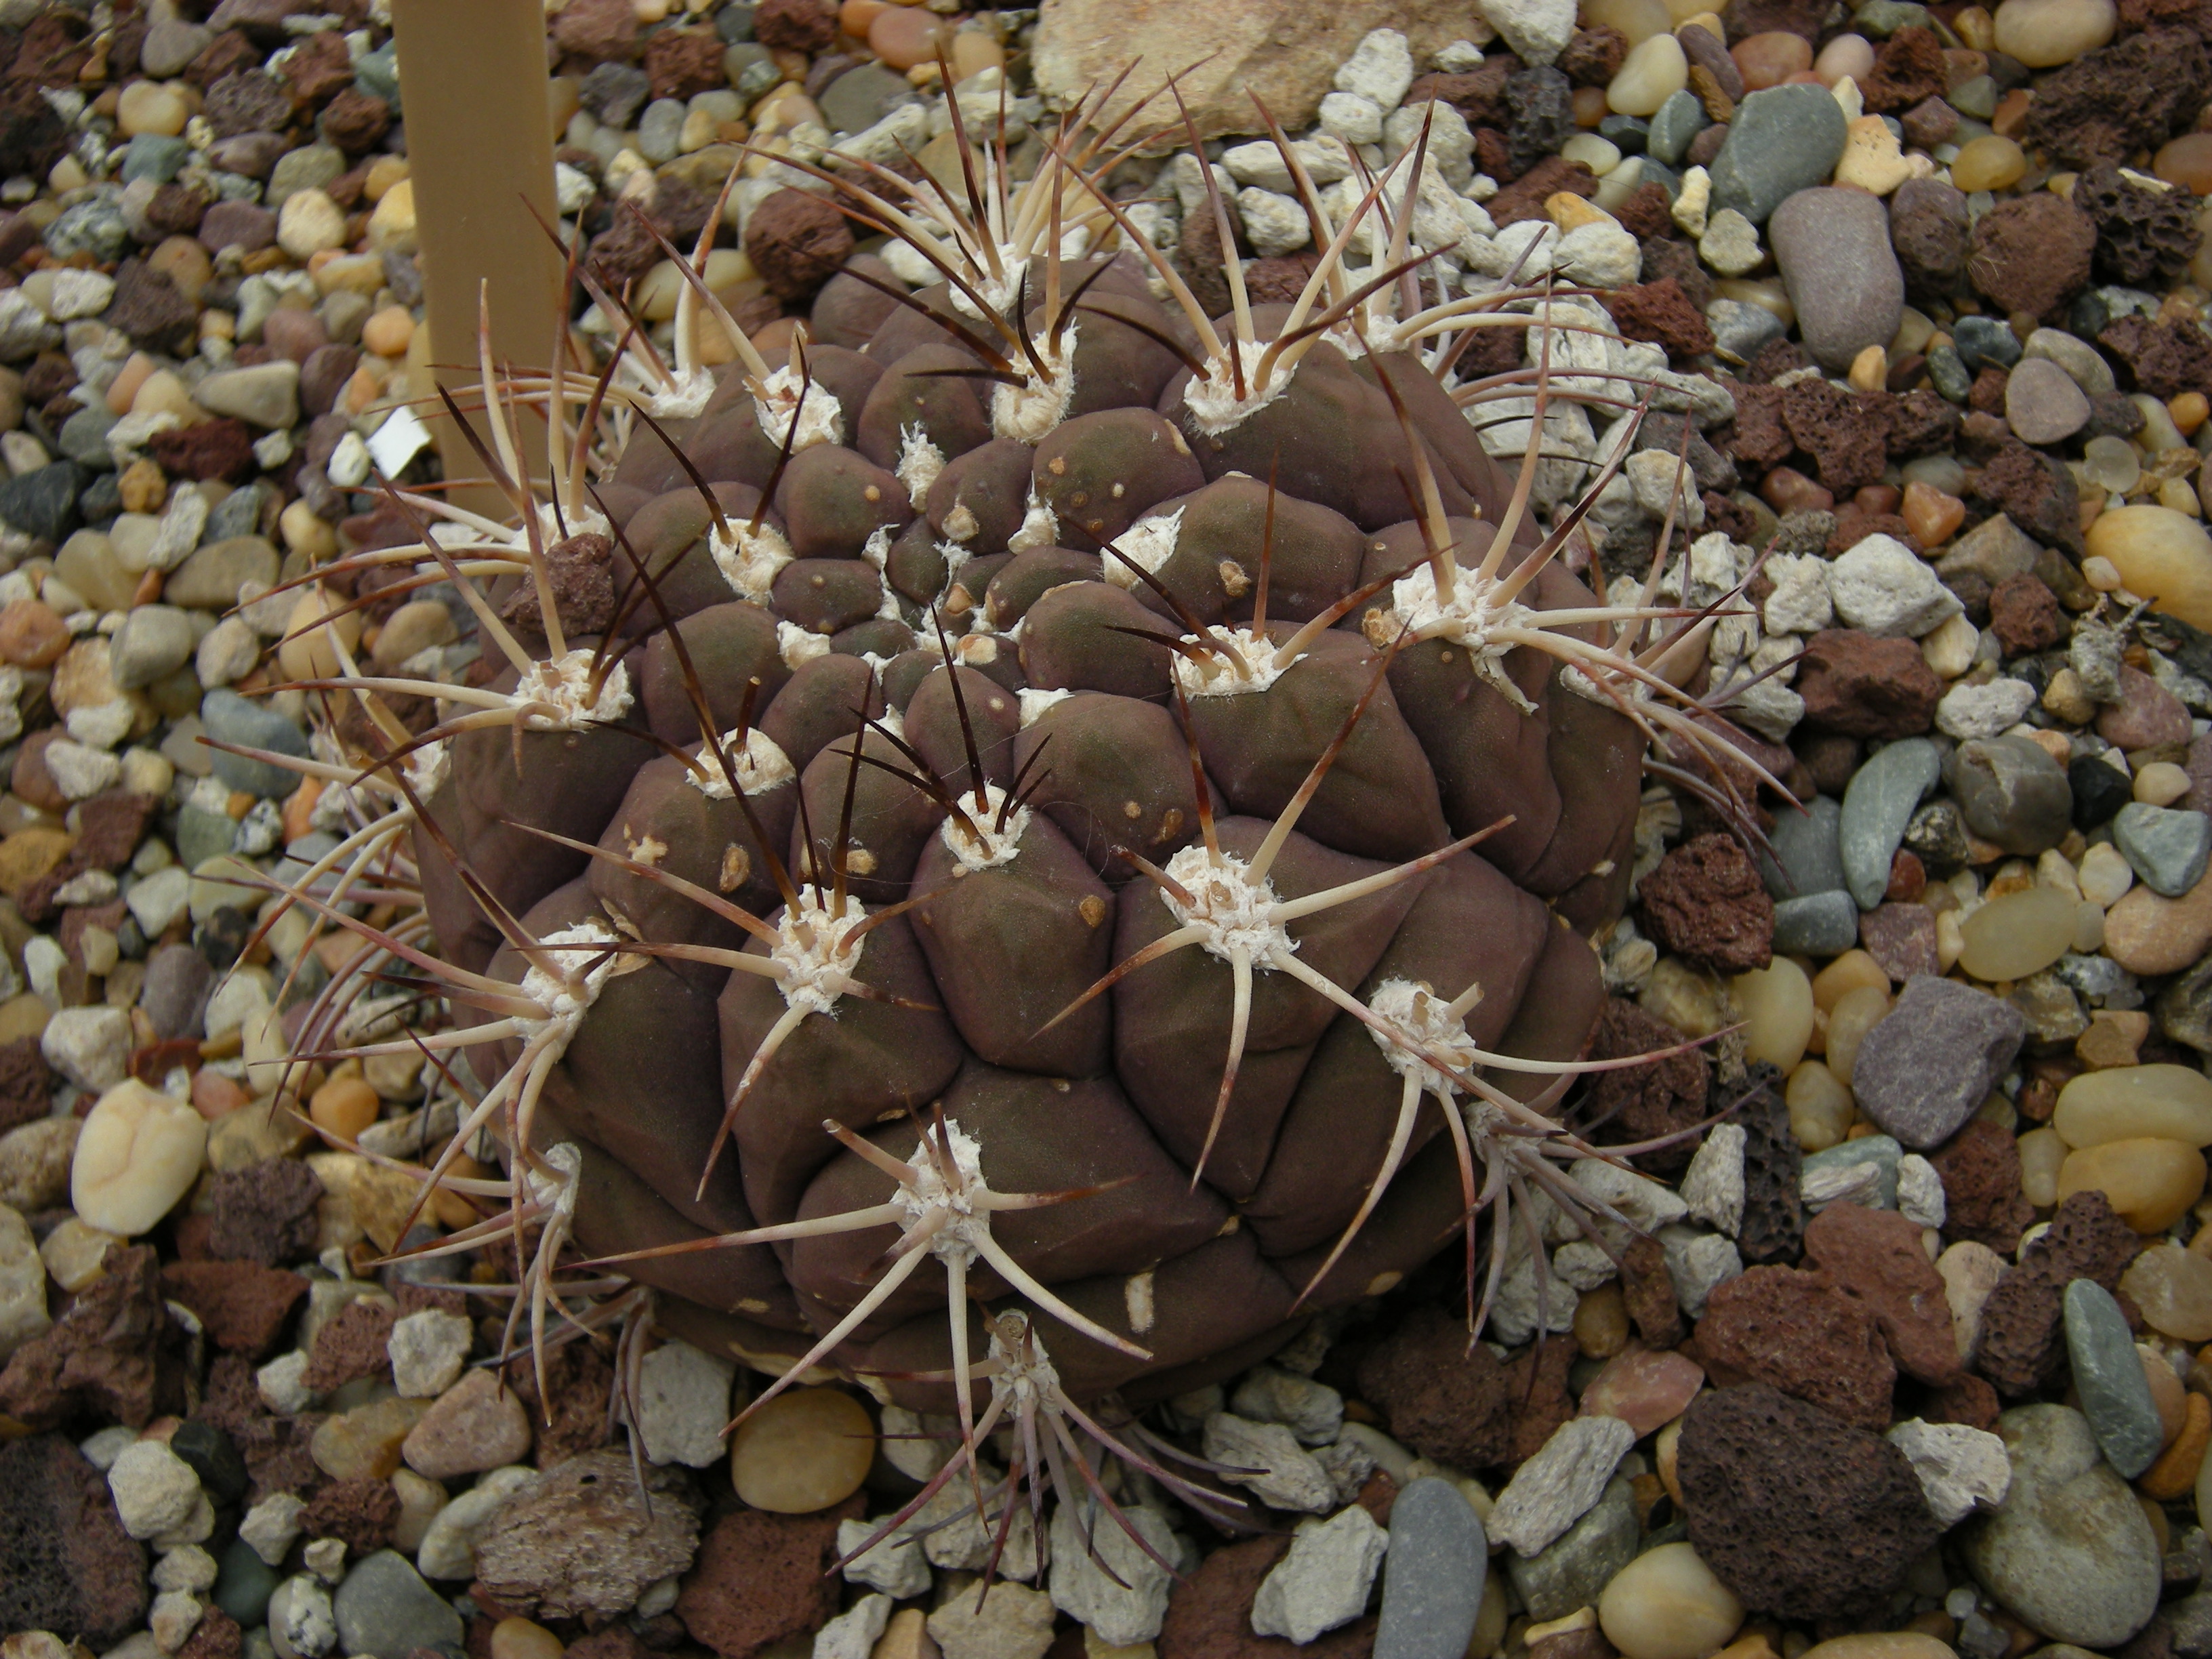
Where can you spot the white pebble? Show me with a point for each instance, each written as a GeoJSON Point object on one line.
{"type": "Point", "coordinates": [683, 1405]}
{"type": "Point", "coordinates": [1323, 1581]}
{"type": "Point", "coordinates": [853, 1634]}
{"type": "Point", "coordinates": [154, 1489]}
{"type": "Point", "coordinates": [1713, 1186]}
{"type": "Point", "coordinates": [1960, 1468]}
{"type": "Point", "coordinates": [1379, 69]}
{"type": "Point", "coordinates": [271, 1526]}
{"type": "Point", "coordinates": [139, 1152]}
{"type": "Point", "coordinates": [427, 1349]}
{"type": "Point", "coordinates": [1554, 1489]}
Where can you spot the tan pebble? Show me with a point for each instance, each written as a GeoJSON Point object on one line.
{"type": "Point", "coordinates": [1602, 1321]}
{"type": "Point", "coordinates": [2044, 33]}
{"type": "Point", "coordinates": [2174, 1288]}
{"type": "Point", "coordinates": [2018, 934]}
{"type": "Point", "coordinates": [140, 1151]}
{"type": "Point", "coordinates": [142, 487]}
{"type": "Point", "coordinates": [308, 653]}
{"type": "Point", "coordinates": [803, 1451]}
{"type": "Point", "coordinates": [1643, 1388]}
{"type": "Point", "coordinates": [524, 1639]}
{"type": "Point", "coordinates": [1667, 1604]}
{"type": "Point", "coordinates": [2112, 1039]}
{"type": "Point", "coordinates": [1848, 1024]}
{"type": "Point", "coordinates": [1890, 1644]}
{"type": "Point", "coordinates": [2176, 1472]}
{"type": "Point", "coordinates": [153, 108]}
{"type": "Point", "coordinates": [2164, 555]}
{"type": "Point", "coordinates": [1663, 1450]}
{"type": "Point", "coordinates": [2173, 1103]}
{"type": "Point", "coordinates": [1847, 973]}
{"type": "Point", "coordinates": [906, 1636]}
{"type": "Point", "coordinates": [1654, 71]}
{"type": "Point", "coordinates": [2042, 1155]}
{"type": "Point", "coordinates": [344, 1106]}
{"type": "Point", "coordinates": [73, 1254]}
{"type": "Point", "coordinates": [388, 332]}
{"type": "Point", "coordinates": [365, 1441]}
{"type": "Point", "coordinates": [2166, 1393]}
{"type": "Point", "coordinates": [420, 1500]}
{"type": "Point", "coordinates": [1821, 1107]}
{"type": "Point", "coordinates": [2106, 874]}
{"type": "Point", "coordinates": [2146, 933]}
{"type": "Point", "coordinates": [2161, 783]}
{"type": "Point", "coordinates": [476, 1425]}
{"type": "Point", "coordinates": [1776, 1004]}
{"type": "Point", "coordinates": [2149, 1182]}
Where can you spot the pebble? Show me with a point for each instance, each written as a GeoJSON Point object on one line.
{"type": "Point", "coordinates": [2069, 1552]}
{"type": "Point", "coordinates": [1573, 1570]}
{"type": "Point", "coordinates": [1083, 1586]}
{"type": "Point", "coordinates": [2009, 789]}
{"type": "Point", "coordinates": [2043, 33]}
{"type": "Point", "coordinates": [2161, 554]}
{"type": "Point", "coordinates": [1537, 30]}
{"type": "Point", "coordinates": [138, 1154]}
{"type": "Point", "coordinates": [22, 1284]}
{"type": "Point", "coordinates": [427, 1349]}
{"type": "Point", "coordinates": [266, 395]}
{"type": "Point", "coordinates": [478, 1424]}
{"type": "Point", "coordinates": [2019, 933]}
{"type": "Point", "coordinates": [898, 1569]}
{"type": "Point", "coordinates": [448, 1547]}
{"type": "Point", "coordinates": [1986, 710]}
{"type": "Point", "coordinates": [1286, 1476]}
{"type": "Point", "coordinates": [2171, 1102]}
{"type": "Point", "coordinates": [1554, 1488]}
{"type": "Point", "coordinates": [1008, 1621]}
{"type": "Point", "coordinates": [366, 1440]}
{"type": "Point", "coordinates": [1651, 74]}
{"type": "Point", "coordinates": [1323, 1581]}
{"type": "Point", "coordinates": [1667, 1604]}
{"type": "Point", "coordinates": [2043, 404]}
{"type": "Point", "coordinates": [853, 1634]}
{"type": "Point", "coordinates": [301, 1623]}
{"type": "Point", "coordinates": [1729, 243]}
{"type": "Point", "coordinates": [2172, 1286]}
{"type": "Point", "coordinates": [1312, 1411]}
{"type": "Point", "coordinates": [1820, 924]}
{"type": "Point", "coordinates": [384, 1608]}
{"type": "Point", "coordinates": [1882, 587]}
{"type": "Point", "coordinates": [1933, 1059]}
{"type": "Point", "coordinates": [1645, 1388]}
{"type": "Point", "coordinates": [2149, 1181]}
{"type": "Point", "coordinates": [683, 1405]}
{"type": "Point", "coordinates": [1877, 806]}
{"type": "Point", "coordinates": [1961, 1468]}
{"type": "Point", "coordinates": [1435, 1575]}
{"type": "Point", "coordinates": [1779, 141]}
{"type": "Point", "coordinates": [1832, 247]}
{"type": "Point", "coordinates": [2166, 847]}
{"type": "Point", "coordinates": [803, 1451]}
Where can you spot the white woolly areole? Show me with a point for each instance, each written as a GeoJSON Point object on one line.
{"type": "Point", "coordinates": [1027, 412]}
{"type": "Point", "coordinates": [1034, 702]}
{"type": "Point", "coordinates": [950, 1203]}
{"type": "Point", "coordinates": [1025, 1375]}
{"type": "Point", "coordinates": [797, 647]}
{"type": "Point", "coordinates": [1466, 620]}
{"type": "Point", "coordinates": [683, 397]}
{"type": "Point", "coordinates": [1234, 915]}
{"type": "Point", "coordinates": [1217, 675]}
{"type": "Point", "coordinates": [989, 847]}
{"type": "Point", "coordinates": [555, 1187]}
{"type": "Point", "coordinates": [813, 961]}
{"type": "Point", "coordinates": [919, 463]}
{"type": "Point", "coordinates": [1001, 293]}
{"type": "Point", "coordinates": [553, 694]}
{"type": "Point", "coordinates": [749, 558]}
{"type": "Point", "coordinates": [778, 404]}
{"type": "Point", "coordinates": [567, 996]}
{"type": "Point", "coordinates": [1150, 542]}
{"type": "Point", "coordinates": [427, 768]}
{"type": "Point", "coordinates": [759, 761]}
{"type": "Point", "coordinates": [1212, 401]}
{"type": "Point", "coordinates": [1039, 528]}
{"type": "Point", "coordinates": [586, 520]}
{"type": "Point", "coordinates": [1426, 1021]}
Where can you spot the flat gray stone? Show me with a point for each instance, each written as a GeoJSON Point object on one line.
{"type": "Point", "coordinates": [2069, 1552]}
{"type": "Point", "coordinates": [2167, 846]}
{"type": "Point", "coordinates": [1818, 925]}
{"type": "Point", "coordinates": [1877, 806]}
{"type": "Point", "coordinates": [1552, 1490]}
{"type": "Point", "coordinates": [385, 1608]}
{"type": "Point", "coordinates": [1931, 1060]}
{"type": "Point", "coordinates": [2043, 405]}
{"type": "Point", "coordinates": [1680, 119]}
{"type": "Point", "coordinates": [210, 576]}
{"type": "Point", "coordinates": [1434, 1575]}
{"type": "Point", "coordinates": [2109, 1376]}
{"type": "Point", "coordinates": [1884, 1153]}
{"type": "Point", "coordinates": [233, 719]}
{"type": "Point", "coordinates": [1833, 247]}
{"type": "Point", "coordinates": [1572, 1571]}
{"type": "Point", "coordinates": [1809, 851]}
{"type": "Point", "coordinates": [1783, 140]}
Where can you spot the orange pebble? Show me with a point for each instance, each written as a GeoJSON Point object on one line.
{"type": "Point", "coordinates": [298, 809]}
{"type": "Point", "coordinates": [903, 38]}
{"type": "Point", "coordinates": [215, 1096]}
{"type": "Point", "coordinates": [2174, 1474]}
{"type": "Point", "coordinates": [1770, 59]}
{"type": "Point", "coordinates": [2189, 410]}
{"type": "Point", "coordinates": [344, 1106]}
{"type": "Point", "coordinates": [2012, 114]}
{"type": "Point", "coordinates": [854, 16]}
{"type": "Point", "coordinates": [1932, 516]}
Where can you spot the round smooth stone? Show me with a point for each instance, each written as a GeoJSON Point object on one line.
{"type": "Point", "coordinates": [1651, 74]}
{"type": "Point", "coordinates": [152, 108]}
{"type": "Point", "coordinates": [1638, 19]}
{"type": "Point", "coordinates": [2019, 933]}
{"type": "Point", "coordinates": [1852, 1017]}
{"type": "Point", "coordinates": [904, 36]}
{"type": "Point", "coordinates": [803, 1451]}
{"type": "Point", "coordinates": [1667, 1604]}
{"type": "Point", "coordinates": [1821, 1107]}
{"type": "Point", "coordinates": [2042, 404]}
{"type": "Point", "coordinates": [2044, 33]}
{"type": "Point", "coordinates": [1768, 60]}
{"type": "Point", "coordinates": [1991, 161]}
{"type": "Point", "coordinates": [1777, 1010]}
{"type": "Point", "coordinates": [2162, 555]}
{"type": "Point", "coordinates": [2149, 1182]}
{"type": "Point", "coordinates": [2186, 162]}
{"type": "Point", "coordinates": [138, 1153]}
{"type": "Point", "coordinates": [1848, 55]}
{"type": "Point", "coordinates": [1888, 1644]}
{"type": "Point", "coordinates": [345, 1106]}
{"type": "Point", "coordinates": [524, 1639]}
{"type": "Point", "coordinates": [2170, 1102]}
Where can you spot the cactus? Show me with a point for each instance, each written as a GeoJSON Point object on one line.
{"type": "Point", "coordinates": [1052, 790]}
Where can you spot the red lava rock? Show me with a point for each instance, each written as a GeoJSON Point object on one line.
{"type": "Point", "coordinates": [221, 449]}
{"type": "Point", "coordinates": [1446, 1400]}
{"type": "Point", "coordinates": [1209, 1613]}
{"type": "Point", "coordinates": [2026, 615]}
{"type": "Point", "coordinates": [112, 1354]}
{"type": "Point", "coordinates": [2133, 94]}
{"type": "Point", "coordinates": [109, 828]}
{"type": "Point", "coordinates": [215, 1637]}
{"type": "Point", "coordinates": [265, 1212]}
{"type": "Point", "coordinates": [1663, 256]}
{"type": "Point", "coordinates": [808, 26]}
{"type": "Point", "coordinates": [1760, 437]}
{"type": "Point", "coordinates": [1987, 394]}
{"type": "Point", "coordinates": [320, 67]}
{"type": "Point", "coordinates": [2021, 1348]}
{"type": "Point", "coordinates": [1803, 1333]}
{"type": "Point", "coordinates": [2147, 716]}
{"type": "Point", "coordinates": [1280, 279]}
{"type": "Point", "coordinates": [277, 1450]}
{"type": "Point", "coordinates": [1928, 226]}
{"type": "Point", "coordinates": [248, 100]}
{"type": "Point", "coordinates": [1965, 1398]}
{"type": "Point", "coordinates": [360, 1512]}
{"type": "Point", "coordinates": [1706, 903]}
{"type": "Point", "coordinates": [1909, 69]}
{"type": "Point", "coordinates": [1642, 1102]}
{"type": "Point", "coordinates": [1773, 1207]}
{"type": "Point", "coordinates": [598, 31]}
{"type": "Point", "coordinates": [2144, 236]}
{"type": "Point", "coordinates": [147, 307]}
{"type": "Point", "coordinates": [1875, 1255]}
{"type": "Point", "coordinates": [1982, 1198]}
{"type": "Point", "coordinates": [1865, 687]}
{"type": "Point", "coordinates": [580, 1378]}
{"type": "Point", "coordinates": [1593, 55]}
{"type": "Point", "coordinates": [759, 1581]}
{"type": "Point", "coordinates": [1800, 1514]}
{"type": "Point", "coordinates": [1648, 215]}
{"type": "Point", "coordinates": [684, 63]}
{"type": "Point", "coordinates": [26, 1083]}
{"type": "Point", "coordinates": [65, 1562]}
{"type": "Point", "coordinates": [1847, 433]}
{"type": "Point", "coordinates": [1536, 1383]}
{"type": "Point", "coordinates": [1901, 939]}
{"type": "Point", "coordinates": [2031, 253]}
{"type": "Point", "coordinates": [2166, 359]}
{"type": "Point", "coordinates": [356, 120]}
{"type": "Point", "coordinates": [244, 1306]}
{"type": "Point", "coordinates": [2036, 492]}
{"type": "Point", "coordinates": [796, 240]}
{"type": "Point", "coordinates": [352, 1347]}
{"type": "Point", "coordinates": [1478, 94]}
{"type": "Point", "coordinates": [616, 1641]}
{"type": "Point", "coordinates": [1648, 1292]}
{"type": "Point", "coordinates": [1660, 312]}
{"type": "Point", "coordinates": [1525, 197]}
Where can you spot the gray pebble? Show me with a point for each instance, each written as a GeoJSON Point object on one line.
{"type": "Point", "coordinates": [2166, 846]}
{"type": "Point", "coordinates": [1433, 1577]}
{"type": "Point", "coordinates": [155, 640]}
{"type": "Point", "coordinates": [1738, 328]}
{"type": "Point", "coordinates": [2077, 357]}
{"type": "Point", "coordinates": [1832, 247]}
{"type": "Point", "coordinates": [1810, 853]}
{"type": "Point", "coordinates": [1783, 140]}
{"type": "Point", "coordinates": [1880, 1150]}
{"type": "Point", "coordinates": [2042, 404]}
{"type": "Point", "coordinates": [385, 1608]}
{"type": "Point", "coordinates": [2012, 792]}
{"type": "Point", "coordinates": [309, 167]}
{"type": "Point", "coordinates": [1929, 1061]}
{"type": "Point", "coordinates": [2109, 1376]}
{"type": "Point", "coordinates": [1571, 1572]}
{"type": "Point", "coordinates": [1819, 925]}
{"type": "Point", "coordinates": [1985, 343]}
{"type": "Point", "coordinates": [659, 128]}
{"type": "Point", "coordinates": [250, 725]}
{"type": "Point", "coordinates": [1877, 806]}
{"type": "Point", "coordinates": [1680, 119]}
